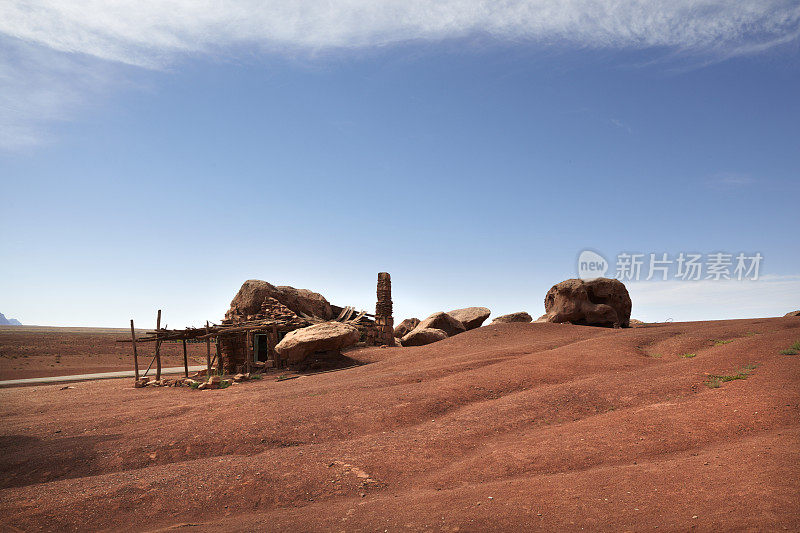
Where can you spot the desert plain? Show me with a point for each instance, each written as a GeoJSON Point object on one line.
{"type": "Point", "coordinates": [690, 426]}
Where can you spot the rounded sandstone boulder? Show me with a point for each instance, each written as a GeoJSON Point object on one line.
{"type": "Point", "coordinates": [471, 317]}
{"type": "Point", "coordinates": [328, 336]}
{"type": "Point", "coordinates": [444, 322]}
{"type": "Point", "coordinates": [253, 292]}
{"type": "Point", "coordinates": [423, 336]}
{"type": "Point", "coordinates": [521, 316]}
{"type": "Point", "coordinates": [596, 302]}
{"type": "Point", "coordinates": [405, 327]}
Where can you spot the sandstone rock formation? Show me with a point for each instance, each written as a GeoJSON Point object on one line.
{"type": "Point", "coordinates": [444, 322]}
{"type": "Point", "coordinates": [521, 316]}
{"type": "Point", "coordinates": [328, 336]}
{"type": "Point", "coordinates": [792, 313]}
{"type": "Point", "coordinates": [471, 317]}
{"type": "Point", "coordinates": [597, 302]}
{"type": "Point", "coordinates": [422, 336]}
{"type": "Point", "coordinates": [253, 293]}
{"type": "Point", "coordinates": [405, 327]}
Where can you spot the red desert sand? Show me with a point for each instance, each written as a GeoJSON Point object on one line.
{"type": "Point", "coordinates": [508, 427]}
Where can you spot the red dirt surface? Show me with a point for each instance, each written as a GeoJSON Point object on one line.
{"type": "Point", "coordinates": [38, 351]}
{"type": "Point", "coordinates": [509, 427]}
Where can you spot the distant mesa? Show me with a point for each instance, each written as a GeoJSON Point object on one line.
{"type": "Point", "coordinates": [9, 321]}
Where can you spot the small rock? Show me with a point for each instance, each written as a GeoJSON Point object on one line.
{"type": "Point", "coordinates": [520, 316]}
{"type": "Point", "coordinates": [141, 382]}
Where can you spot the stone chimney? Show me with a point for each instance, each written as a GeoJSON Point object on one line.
{"type": "Point", "coordinates": [384, 321]}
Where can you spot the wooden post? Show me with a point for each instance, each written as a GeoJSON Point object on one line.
{"type": "Point", "coordinates": [135, 355]}
{"type": "Point", "coordinates": [185, 361]}
{"type": "Point", "coordinates": [218, 356]}
{"type": "Point", "coordinates": [158, 346]}
{"type": "Point", "coordinates": [251, 350]}
{"type": "Point", "coordinates": [272, 341]}
{"type": "Point", "coordinates": [208, 353]}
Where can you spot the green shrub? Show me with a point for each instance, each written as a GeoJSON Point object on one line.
{"type": "Point", "coordinates": [714, 381]}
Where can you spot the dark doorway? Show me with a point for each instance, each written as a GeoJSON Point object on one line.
{"type": "Point", "coordinates": [261, 347]}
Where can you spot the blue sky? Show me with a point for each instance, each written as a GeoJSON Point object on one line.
{"type": "Point", "coordinates": [159, 154]}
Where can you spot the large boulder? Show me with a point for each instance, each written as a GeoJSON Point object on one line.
{"type": "Point", "coordinates": [792, 313]}
{"type": "Point", "coordinates": [405, 327]}
{"type": "Point", "coordinates": [328, 336]}
{"type": "Point", "coordinates": [423, 336]}
{"type": "Point", "coordinates": [597, 302]}
{"type": "Point", "coordinates": [521, 316]}
{"type": "Point", "coordinates": [250, 297]}
{"type": "Point", "coordinates": [444, 322]}
{"type": "Point", "coordinates": [471, 317]}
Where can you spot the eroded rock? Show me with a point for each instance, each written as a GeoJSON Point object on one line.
{"type": "Point", "coordinates": [328, 336]}
{"type": "Point", "coordinates": [253, 292]}
{"type": "Point", "coordinates": [597, 302]}
{"type": "Point", "coordinates": [520, 316]}
{"type": "Point", "coordinates": [423, 336]}
{"type": "Point", "coordinates": [471, 317]}
{"type": "Point", "coordinates": [405, 327]}
{"type": "Point", "coordinates": [451, 326]}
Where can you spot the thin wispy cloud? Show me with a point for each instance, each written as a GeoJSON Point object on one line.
{"type": "Point", "coordinates": [618, 123]}
{"type": "Point", "coordinates": [727, 182]}
{"type": "Point", "coordinates": [158, 33]}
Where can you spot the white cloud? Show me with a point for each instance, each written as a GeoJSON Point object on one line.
{"type": "Point", "coordinates": [729, 181]}
{"type": "Point", "coordinates": [156, 33]}
{"type": "Point", "coordinates": [714, 300]}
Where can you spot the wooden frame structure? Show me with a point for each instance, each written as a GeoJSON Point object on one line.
{"type": "Point", "coordinates": [235, 338]}
{"type": "Point", "coordinates": [224, 334]}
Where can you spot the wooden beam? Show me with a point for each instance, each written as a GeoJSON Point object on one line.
{"type": "Point", "coordinates": [185, 361]}
{"type": "Point", "coordinates": [135, 355]}
{"type": "Point", "coordinates": [208, 353]}
{"type": "Point", "coordinates": [158, 347]}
